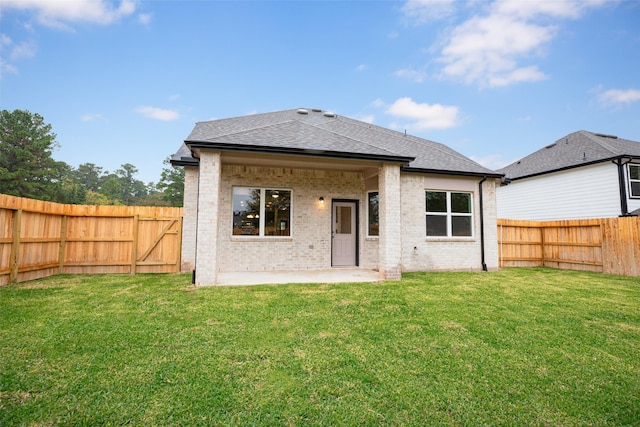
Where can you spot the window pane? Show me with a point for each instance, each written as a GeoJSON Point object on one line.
{"type": "Point", "coordinates": [635, 189]}
{"type": "Point", "coordinates": [277, 213]}
{"type": "Point", "coordinates": [373, 214]}
{"type": "Point", "coordinates": [436, 201]}
{"type": "Point", "coordinates": [634, 172]}
{"type": "Point", "coordinates": [436, 225]}
{"type": "Point", "coordinates": [461, 226]}
{"type": "Point", "coordinates": [461, 202]}
{"type": "Point", "coordinates": [246, 211]}
{"type": "Point", "coordinates": [343, 220]}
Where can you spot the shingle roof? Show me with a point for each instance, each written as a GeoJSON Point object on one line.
{"type": "Point", "coordinates": [317, 132]}
{"type": "Point", "coordinates": [574, 150]}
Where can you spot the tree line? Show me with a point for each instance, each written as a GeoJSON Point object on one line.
{"type": "Point", "coordinates": [27, 169]}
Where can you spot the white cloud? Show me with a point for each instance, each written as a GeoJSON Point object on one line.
{"type": "Point", "coordinates": [145, 18]}
{"type": "Point", "coordinates": [57, 13]}
{"type": "Point", "coordinates": [362, 67]}
{"type": "Point", "coordinates": [14, 51]}
{"type": "Point", "coordinates": [158, 113]}
{"type": "Point", "coordinates": [92, 117]}
{"type": "Point", "coordinates": [7, 68]}
{"type": "Point", "coordinates": [492, 161]}
{"type": "Point", "coordinates": [425, 116]}
{"type": "Point", "coordinates": [26, 49]}
{"type": "Point", "coordinates": [415, 75]}
{"type": "Point", "coordinates": [620, 96]}
{"type": "Point", "coordinates": [5, 40]}
{"type": "Point", "coordinates": [369, 118]}
{"type": "Point", "coordinates": [427, 10]}
{"type": "Point", "coordinates": [377, 103]}
{"type": "Point", "coordinates": [488, 49]}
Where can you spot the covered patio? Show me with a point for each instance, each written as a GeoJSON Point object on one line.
{"type": "Point", "coordinates": [333, 275]}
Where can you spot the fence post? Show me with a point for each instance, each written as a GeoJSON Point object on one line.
{"type": "Point", "coordinates": [63, 244]}
{"type": "Point", "coordinates": [542, 231]}
{"type": "Point", "coordinates": [134, 244]}
{"type": "Point", "coordinates": [14, 258]}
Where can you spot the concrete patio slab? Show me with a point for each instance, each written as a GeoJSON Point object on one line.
{"type": "Point", "coordinates": [334, 275]}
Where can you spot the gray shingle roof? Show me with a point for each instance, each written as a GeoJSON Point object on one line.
{"type": "Point", "coordinates": [574, 150]}
{"type": "Point", "coordinates": [321, 133]}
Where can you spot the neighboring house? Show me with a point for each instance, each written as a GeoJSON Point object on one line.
{"type": "Point", "coordinates": [582, 175]}
{"type": "Point", "coordinates": [306, 189]}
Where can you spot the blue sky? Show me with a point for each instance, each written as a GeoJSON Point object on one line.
{"type": "Point", "coordinates": [125, 81]}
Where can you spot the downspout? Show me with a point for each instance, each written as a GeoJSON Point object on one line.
{"type": "Point", "coordinates": [624, 208]}
{"type": "Point", "coordinates": [482, 257]}
{"type": "Point", "coordinates": [195, 257]}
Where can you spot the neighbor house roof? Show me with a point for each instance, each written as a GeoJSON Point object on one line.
{"type": "Point", "coordinates": [321, 133]}
{"type": "Point", "coordinates": [577, 149]}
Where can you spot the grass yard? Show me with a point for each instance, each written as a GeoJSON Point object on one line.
{"type": "Point", "coordinates": [515, 347]}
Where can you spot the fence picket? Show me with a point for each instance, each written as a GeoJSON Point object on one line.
{"type": "Point", "coordinates": [39, 239]}
{"type": "Point", "coordinates": [609, 245]}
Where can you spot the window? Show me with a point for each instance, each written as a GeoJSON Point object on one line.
{"type": "Point", "coordinates": [449, 214]}
{"type": "Point", "coordinates": [372, 214]}
{"type": "Point", "coordinates": [634, 180]}
{"type": "Point", "coordinates": [261, 212]}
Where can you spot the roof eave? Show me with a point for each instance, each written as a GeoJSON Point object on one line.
{"type": "Point", "coordinates": [296, 151]}
{"type": "Point", "coordinates": [184, 161]}
{"type": "Point", "coordinates": [452, 172]}
{"type": "Point", "coordinates": [594, 162]}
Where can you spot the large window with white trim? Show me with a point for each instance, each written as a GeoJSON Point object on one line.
{"type": "Point", "coordinates": [449, 214]}
{"type": "Point", "coordinates": [264, 212]}
{"type": "Point", "coordinates": [634, 180]}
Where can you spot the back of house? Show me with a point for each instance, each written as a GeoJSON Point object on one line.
{"type": "Point", "coordinates": [307, 189]}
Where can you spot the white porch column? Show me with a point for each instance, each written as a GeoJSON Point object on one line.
{"type": "Point", "coordinates": [208, 194]}
{"type": "Point", "coordinates": [190, 218]}
{"type": "Point", "coordinates": [389, 218]}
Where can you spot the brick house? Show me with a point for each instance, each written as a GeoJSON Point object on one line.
{"type": "Point", "coordinates": [306, 189]}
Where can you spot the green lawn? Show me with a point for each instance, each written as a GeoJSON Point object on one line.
{"type": "Point", "coordinates": [516, 347]}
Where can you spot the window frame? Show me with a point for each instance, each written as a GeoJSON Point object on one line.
{"type": "Point", "coordinates": [449, 215]}
{"type": "Point", "coordinates": [262, 213]}
{"type": "Point", "coordinates": [369, 193]}
{"type": "Point", "coordinates": [630, 180]}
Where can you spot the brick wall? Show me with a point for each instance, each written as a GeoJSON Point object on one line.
{"type": "Point", "coordinates": [420, 253]}
{"type": "Point", "coordinates": [309, 247]}
{"type": "Point", "coordinates": [190, 213]}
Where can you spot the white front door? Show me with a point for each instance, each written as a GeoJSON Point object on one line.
{"type": "Point", "coordinates": [344, 234]}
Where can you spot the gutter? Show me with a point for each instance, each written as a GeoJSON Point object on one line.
{"type": "Point", "coordinates": [624, 207]}
{"type": "Point", "coordinates": [482, 249]}
{"type": "Point", "coordinates": [483, 175]}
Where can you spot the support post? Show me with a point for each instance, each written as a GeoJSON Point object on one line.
{"type": "Point", "coordinates": [390, 235]}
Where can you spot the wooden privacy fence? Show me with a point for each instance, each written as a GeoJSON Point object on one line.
{"type": "Point", "coordinates": [40, 239]}
{"type": "Point", "coordinates": [607, 245]}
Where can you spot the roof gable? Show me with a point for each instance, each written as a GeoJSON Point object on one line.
{"type": "Point", "coordinates": [321, 133]}
{"type": "Point", "coordinates": [577, 149]}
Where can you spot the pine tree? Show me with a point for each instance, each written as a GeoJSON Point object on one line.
{"type": "Point", "coordinates": [26, 166]}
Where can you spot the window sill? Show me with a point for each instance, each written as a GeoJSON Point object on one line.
{"type": "Point", "coordinates": [451, 239]}
{"type": "Point", "coordinates": [261, 239]}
